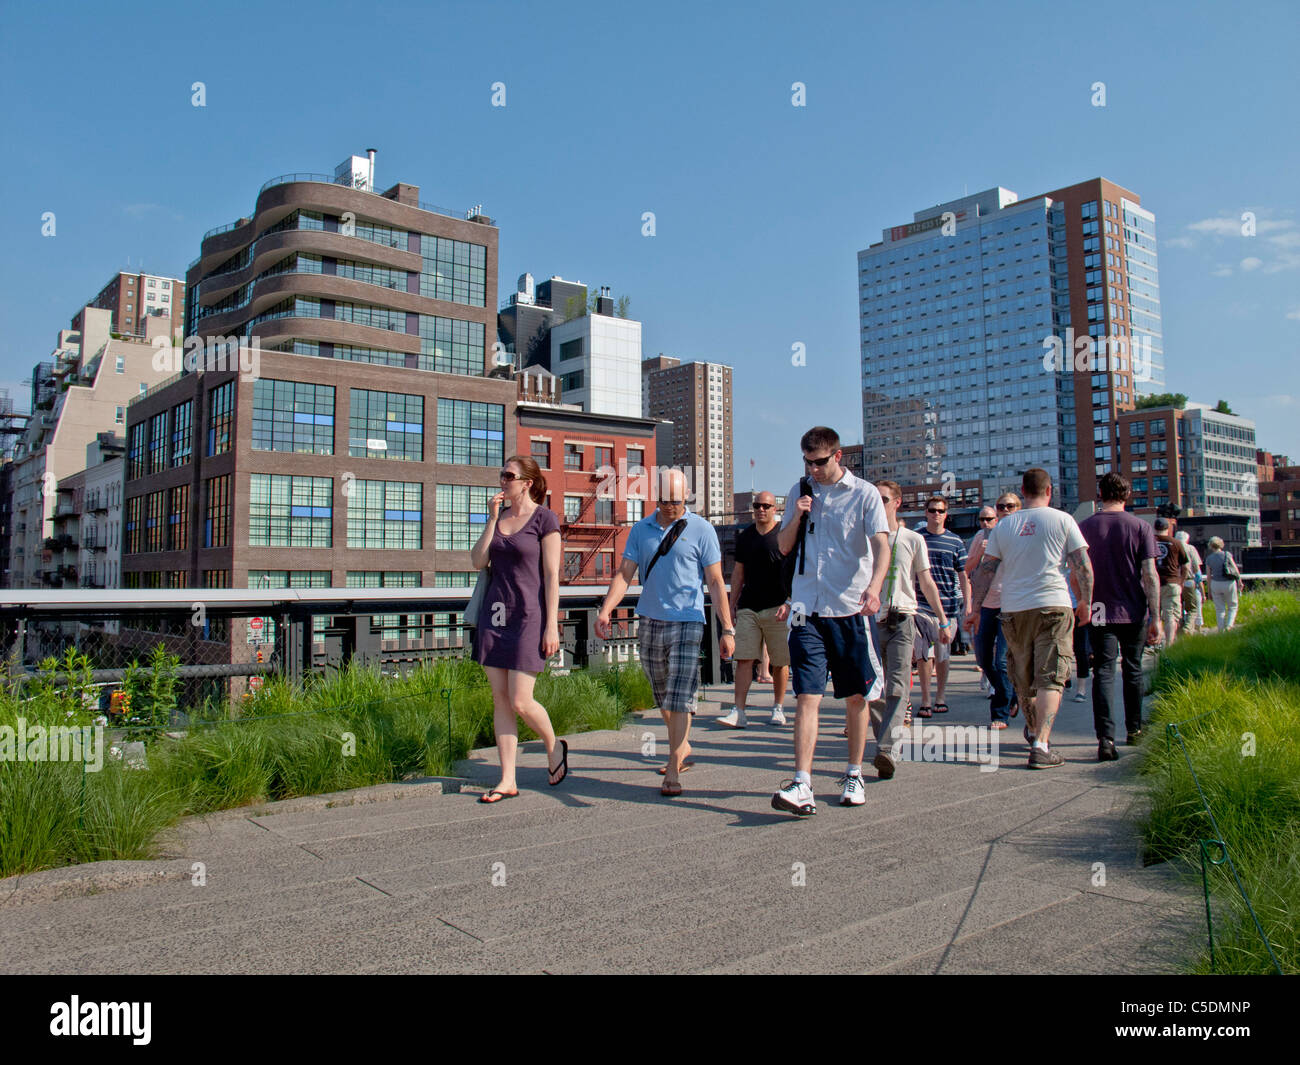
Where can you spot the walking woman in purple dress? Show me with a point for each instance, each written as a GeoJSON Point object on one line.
{"type": "Point", "coordinates": [518, 625]}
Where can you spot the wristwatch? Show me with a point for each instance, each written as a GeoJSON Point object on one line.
{"type": "Point", "coordinates": [728, 632]}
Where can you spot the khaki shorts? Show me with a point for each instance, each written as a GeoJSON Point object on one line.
{"type": "Point", "coordinates": [1171, 604]}
{"type": "Point", "coordinates": [1040, 649]}
{"type": "Point", "coordinates": [757, 627]}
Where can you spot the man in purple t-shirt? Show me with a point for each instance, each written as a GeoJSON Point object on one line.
{"type": "Point", "coordinates": [1125, 608]}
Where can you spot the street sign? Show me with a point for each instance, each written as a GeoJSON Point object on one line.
{"type": "Point", "coordinates": [255, 684]}
{"type": "Point", "coordinates": [255, 624]}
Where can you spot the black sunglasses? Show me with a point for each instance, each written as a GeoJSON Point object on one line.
{"type": "Point", "coordinates": [764, 506]}
{"type": "Point", "coordinates": [506, 475]}
{"type": "Point", "coordinates": [988, 519]}
{"type": "Point", "coordinates": [819, 462]}
{"type": "Point", "coordinates": [1006, 506]}
{"type": "Point", "coordinates": [935, 510]}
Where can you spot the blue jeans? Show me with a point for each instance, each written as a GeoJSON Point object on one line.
{"type": "Point", "coordinates": [991, 654]}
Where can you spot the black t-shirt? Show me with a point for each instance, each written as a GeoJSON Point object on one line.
{"type": "Point", "coordinates": [768, 573]}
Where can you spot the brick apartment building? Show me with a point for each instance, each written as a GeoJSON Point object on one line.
{"type": "Point", "coordinates": [364, 448]}
{"type": "Point", "coordinates": [696, 398]}
{"type": "Point", "coordinates": [597, 476]}
{"type": "Point", "coordinates": [132, 298]}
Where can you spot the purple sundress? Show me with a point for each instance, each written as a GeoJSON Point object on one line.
{"type": "Point", "coordinates": [512, 619]}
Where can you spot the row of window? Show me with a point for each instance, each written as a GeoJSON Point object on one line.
{"type": "Point", "coordinates": [298, 417]}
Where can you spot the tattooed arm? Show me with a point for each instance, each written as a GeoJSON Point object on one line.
{"type": "Point", "coordinates": [1151, 585]}
{"type": "Point", "coordinates": [1081, 571]}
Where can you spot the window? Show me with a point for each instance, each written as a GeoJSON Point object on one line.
{"type": "Point", "coordinates": [182, 433]}
{"type": "Point", "coordinates": [572, 565]}
{"type": "Point", "coordinates": [293, 416]}
{"type": "Point", "coordinates": [155, 526]}
{"type": "Point", "coordinates": [386, 514]}
{"type": "Point", "coordinates": [573, 382]}
{"type": "Point", "coordinates": [221, 418]}
{"type": "Point", "coordinates": [287, 511]}
{"type": "Point", "coordinates": [604, 512]}
{"type": "Point", "coordinates": [635, 509]}
{"type": "Point", "coordinates": [386, 425]}
{"type": "Point", "coordinates": [572, 508]}
{"type": "Point", "coordinates": [120, 365]}
{"type": "Point", "coordinates": [453, 270]}
{"type": "Point", "coordinates": [541, 453]}
{"type": "Point", "coordinates": [471, 434]}
{"type": "Point", "coordinates": [158, 443]}
{"type": "Point", "coordinates": [131, 543]}
{"type": "Point", "coordinates": [573, 456]}
{"type": "Point", "coordinates": [216, 578]}
{"type": "Point", "coordinates": [462, 512]}
{"type": "Point", "coordinates": [135, 454]}
{"type": "Point", "coordinates": [604, 565]}
{"type": "Point", "coordinates": [635, 458]}
{"type": "Point", "coordinates": [120, 417]}
{"type": "Point", "coordinates": [216, 517]}
{"type": "Point", "coordinates": [294, 578]}
{"type": "Point", "coordinates": [143, 388]}
{"type": "Point", "coordinates": [604, 457]}
{"type": "Point", "coordinates": [178, 519]}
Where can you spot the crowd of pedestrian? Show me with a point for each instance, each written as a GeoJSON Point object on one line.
{"type": "Point", "coordinates": [836, 589]}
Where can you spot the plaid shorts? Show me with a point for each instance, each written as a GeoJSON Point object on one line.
{"type": "Point", "coordinates": [670, 656]}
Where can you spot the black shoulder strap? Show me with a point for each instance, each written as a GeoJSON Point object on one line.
{"type": "Point", "coordinates": [665, 545]}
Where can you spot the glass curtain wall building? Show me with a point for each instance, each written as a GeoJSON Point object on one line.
{"type": "Point", "coordinates": [954, 311]}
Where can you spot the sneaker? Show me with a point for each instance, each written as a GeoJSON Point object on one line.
{"type": "Point", "coordinates": [735, 719]}
{"type": "Point", "coordinates": [778, 716]}
{"type": "Point", "coordinates": [795, 797]}
{"type": "Point", "coordinates": [853, 794]}
{"type": "Point", "coordinates": [1106, 751]}
{"type": "Point", "coordinates": [884, 765]}
{"type": "Point", "coordinates": [1039, 759]}
{"type": "Point", "coordinates": [1133, 737]}
{"type": "Point", "coordinates": [1080, 697]}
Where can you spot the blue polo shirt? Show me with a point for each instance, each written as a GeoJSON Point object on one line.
{"type": "Point", "coordinates": [675, 591]}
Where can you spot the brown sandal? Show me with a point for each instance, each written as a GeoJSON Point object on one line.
{"type": "Point", "coordinates": [670, 791]}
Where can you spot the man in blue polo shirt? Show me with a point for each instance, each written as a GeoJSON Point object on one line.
{"type": "Point", "coordinates": [674, 562]}
{"type": "Point", "coordinates": [842, 556]}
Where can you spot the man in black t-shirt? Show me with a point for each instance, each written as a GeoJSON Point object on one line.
{"type": "Point", "coordinates": [760, 590]}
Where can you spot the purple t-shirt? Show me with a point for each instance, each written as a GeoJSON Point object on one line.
{"type": "Point", "coordinates": [1118, 544]}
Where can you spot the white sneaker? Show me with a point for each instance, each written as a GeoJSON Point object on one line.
{"type": "Point", "coordinates": [853, 794]}
{"type": "Point", "coordinates": [795, 797]}
{"type": "Point", "coordinates": [735, 719]}
{"type": "Point", "coordinates": [1080, 697]}
{"type": "Point", "coordinates": [778, 716]}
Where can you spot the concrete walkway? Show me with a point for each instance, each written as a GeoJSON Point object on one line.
{"type": "Point", "coordinates": [945, 869]}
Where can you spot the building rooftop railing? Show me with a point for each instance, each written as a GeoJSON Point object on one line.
{"type": "Point", "coordinates": [327, 179]}
{"type": "Point", "coordinates": [166, 383]}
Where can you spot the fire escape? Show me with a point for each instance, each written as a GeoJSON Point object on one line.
{"type": "Point", "coordinates": [585, 526]}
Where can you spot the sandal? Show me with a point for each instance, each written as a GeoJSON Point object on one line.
{"type": "Point", "coordinates": [501, 796]}
{"type": "Point", "coordinates": [562, 768]}
{"type": "Point", "coordinates": [940, 708]}
{"type": "Point", "coordinates": [670, 791]}
{"type": "Point", "coordinates": [1015, 708]}
{"type": "Point", "coordinates": [924, 712]}
{"type": "Point", "coordinates": [688, 764]}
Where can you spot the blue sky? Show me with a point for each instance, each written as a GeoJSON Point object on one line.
{"type": "Point", "coordinates": [683, 109]}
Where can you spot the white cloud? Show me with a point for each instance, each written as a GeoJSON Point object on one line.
{"type": "Point", "coordinates": [1294, 315]}
{"type": "Point", "coordinates": [1222, 271]}
{"type": "Point", "coordinates": [1219, 227]}
{"type": "Point", "coordinates": [1251, 263]}
{"type": "Point", "coordinates": [1179, 242]}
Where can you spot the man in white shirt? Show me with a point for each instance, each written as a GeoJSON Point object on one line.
{"type": "Point", "coordinates": [1032, 549]}
{"type": "Point", "coordinates": [908, 569]}
{"type": "Point", "coordinates": [838, 528]}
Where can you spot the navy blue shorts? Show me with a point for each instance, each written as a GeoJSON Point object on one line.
{"type": "Point", "coordinates": [839, 647]}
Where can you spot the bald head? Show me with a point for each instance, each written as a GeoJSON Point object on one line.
{"type": "Point", "coordinates": [672, 486]}
{"type": "Point", "coordinates": [764, 511]}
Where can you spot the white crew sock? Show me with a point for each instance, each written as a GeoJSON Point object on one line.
{"type": "Point", "coordinates": [800, 777]}
{"type": "Point", "coordinates": [1040, 745]}
{"type": "Point", "coordinates": [854, 771]}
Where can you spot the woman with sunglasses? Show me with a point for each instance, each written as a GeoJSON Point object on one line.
{"type": "Point", "coordinates": [990, 646]}
{"type": "Point", "coordinates": [518, 625]}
